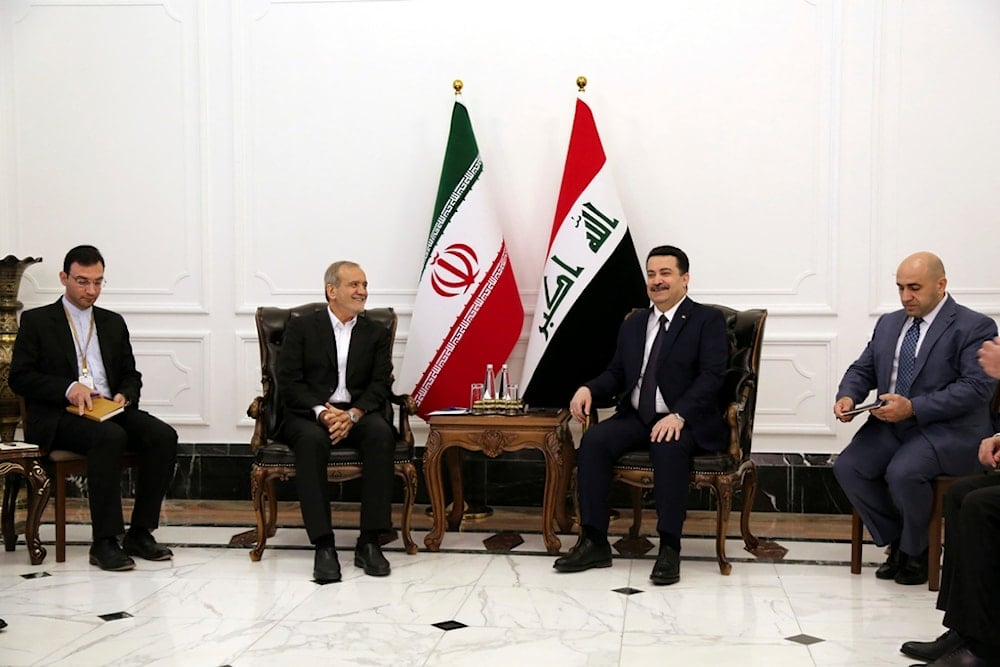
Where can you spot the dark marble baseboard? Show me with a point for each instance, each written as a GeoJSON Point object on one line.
{"type": "Point", "coordinates": [787, 482]}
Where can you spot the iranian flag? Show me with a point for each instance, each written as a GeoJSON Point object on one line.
{"type": "Point", "coordinates": [468, 311]}
{"type": "Point", "coordinates": [592, 276]}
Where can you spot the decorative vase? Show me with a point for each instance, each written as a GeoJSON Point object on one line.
{"type": "Point", "coordinates": [11, 270]}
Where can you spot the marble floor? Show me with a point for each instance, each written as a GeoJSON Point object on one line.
{"type": "Point", "coordinates": [212, 606]}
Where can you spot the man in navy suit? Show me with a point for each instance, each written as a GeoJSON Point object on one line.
{"type": "Point", "coordinates": [922, 363]}
{"type": "Point", "coordinates": [677, 352]}
{"type": "Point", "coordinates": [66, 354]}
{"type": "Point", "coordinates": [335, 375]}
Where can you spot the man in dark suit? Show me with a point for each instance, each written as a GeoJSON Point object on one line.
{"type": "Point", "coordinates": [66, 354]}
{"type": "Point", "coordinates": [970, 580]}
{"type": "Point", "coordinates": [335, 375]}
{"type": "Point", "coordinates": [921, 361]}
{"type": "Point", "coordinates": [667, 371]}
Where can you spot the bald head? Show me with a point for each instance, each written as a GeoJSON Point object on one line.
{"type": "Point", "coordinates": [921, 282]}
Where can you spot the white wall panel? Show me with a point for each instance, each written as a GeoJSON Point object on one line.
{"type": "Point", "coordinates": [106, 144]}
{"type": "Point", "coordinates": [176, 375]}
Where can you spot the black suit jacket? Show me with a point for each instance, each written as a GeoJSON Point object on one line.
{"type": "Point", "coordinates": [307, 366]}
{"type": "Point", "coordinates": [690, 374]}
{"type": "Point", "coordinates": [45, 363]}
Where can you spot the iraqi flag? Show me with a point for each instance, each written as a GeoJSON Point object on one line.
{"type": "Point", "coordinates": [468, 310]}
{"type": "Point", "coordinates": [592, 276]}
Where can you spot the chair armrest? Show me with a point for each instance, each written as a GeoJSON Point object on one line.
{"type": "Point", "coordinates": [256, 412]}
{"type": "Point", "coordinates": [405, 406]}
{"type": "Point", "coordinates": [739, 416]}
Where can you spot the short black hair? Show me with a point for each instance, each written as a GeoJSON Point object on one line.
{"type": "Point", "coordinates": [84, 255]}
{"type": "Point", "coordinates": [671, 251]}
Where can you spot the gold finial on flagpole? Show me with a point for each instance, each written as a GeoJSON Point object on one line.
{"type": "Point", "coordinates": [581, 83]}
{"type": "Point", "coordinates": [457, 85]}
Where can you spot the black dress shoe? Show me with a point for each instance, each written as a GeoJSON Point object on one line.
{"type": "Point", "coordinates": [912, 570]}
{"type": "Point", "coordinates": [963, 657]}
{"type": "Point", "coordinates": [890, 567]}
{"type": "Point", "coordinates": [326, 566]}
{"type": "Point", "coordinates": [3, 624]}
{"type": "Point", "coordinates": [368, 556]}
{"type": "Point", "coordinates": [142, 544]}
{"type": "Point", "coordinates": [584, 556]}
{"type": "Point", "coordinates": [107, 554]}
{"type": "Point", "coordinates": [667, 569]}
{"type": "Point", "coordinates": [930, 651]}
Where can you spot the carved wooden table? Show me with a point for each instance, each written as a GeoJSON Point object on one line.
{"type": "Point", "coordinates": [493, 435]}
{"type": "Point", "coordinates": [24, 461]}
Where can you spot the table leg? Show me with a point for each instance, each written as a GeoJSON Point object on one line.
{"type": "Point", "coordinates": [11, 484]}
{"type": "Point", "coordinates": [453, 459]}
{"type": "Point", "coordinates": [568, 452]}
{"type": "Point", "coordinates": [553, 475]}
{"type": "Point", "coordinates": [40, 486]}
{"type": "Point", "coordinates": [432, 477]}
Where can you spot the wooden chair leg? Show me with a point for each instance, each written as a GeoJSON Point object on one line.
{"type": "Point", "coordinates": [60, 488]}
{"type": "Point", "coordinates": [857, 534]}
{"type": "Point", "coordinates": [258, 498]}
{"type": "Point", "coordinates": [636, 526]}
{"type": "Point", "coordinates": [723, 502]}
{"type": "Point", "coordinates": [409, 474]}
{"type": "Point", "coordinates": [748, 487]}
{"type": "Point", "coordinates": [935, 533]}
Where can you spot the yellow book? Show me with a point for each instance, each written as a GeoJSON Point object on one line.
{"type": "Point", "coordinates": [104, 409]}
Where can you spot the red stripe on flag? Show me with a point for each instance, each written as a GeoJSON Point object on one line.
{"type": "Point", "coordinates": [491, 320]}
{"type": "Point", "coordinates": [584, 160]}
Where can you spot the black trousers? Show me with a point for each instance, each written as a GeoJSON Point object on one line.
{"type": "Point", "coordinates": [970, 580]}
{"type": "Point", "coordinates": [372, 436]}
{"type": "Point", "coordinates": [103, 443]}
{"type": "Point", "coordinates": [601, 447]}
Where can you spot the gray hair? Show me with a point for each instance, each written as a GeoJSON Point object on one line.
{"type": "Point", "coordinates": [332, 275]}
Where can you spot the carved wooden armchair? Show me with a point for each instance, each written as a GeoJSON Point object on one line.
{"type": "Point", "coordinates": [731, 468]}
{"type": "Point", "coordinates": [274, 460]}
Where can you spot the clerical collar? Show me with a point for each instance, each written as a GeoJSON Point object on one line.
{"type": "Point", "coordinates": [76, 310]}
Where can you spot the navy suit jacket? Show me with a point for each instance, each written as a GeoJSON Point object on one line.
{"type": "Point", "coordinates": [45, 363]}
{"type": "Point", "coordinates": [950, 391]}
{"type": "Point", "coordinates": [690, 373]}
{"type": "Point", "coordinates": [307, 366]}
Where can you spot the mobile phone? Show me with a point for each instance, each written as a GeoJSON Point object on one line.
{"type": "Point", "coordinates": [862, 408]}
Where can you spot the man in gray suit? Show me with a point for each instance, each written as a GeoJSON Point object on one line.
{"type": "Point", "coordinates": [335, 375]}
{"type": "Point", "coordinates": [922, 363]}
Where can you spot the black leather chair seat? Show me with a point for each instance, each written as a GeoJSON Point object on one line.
{"type": "Point", "coordinates": [716, 462]}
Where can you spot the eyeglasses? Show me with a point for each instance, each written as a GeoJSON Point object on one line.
{"type": "Point", "coordinates": [83, 282]}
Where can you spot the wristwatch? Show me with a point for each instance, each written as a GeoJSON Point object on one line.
{"type": "Point", "coordinates": [354, 416]}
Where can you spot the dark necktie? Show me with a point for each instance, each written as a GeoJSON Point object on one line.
{"type": "Point", "coordinates": [908, 358]}
{"type": "Point", "coordinates": [647, 392]}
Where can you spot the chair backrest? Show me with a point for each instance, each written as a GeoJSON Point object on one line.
{"type": "Point", "coordinates": [738, 396]}
{"type": "Point", "coordinates": [271, 323]}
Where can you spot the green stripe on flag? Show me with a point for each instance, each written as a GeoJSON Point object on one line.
{"type": "Point", "coordinates": [462, 168]}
